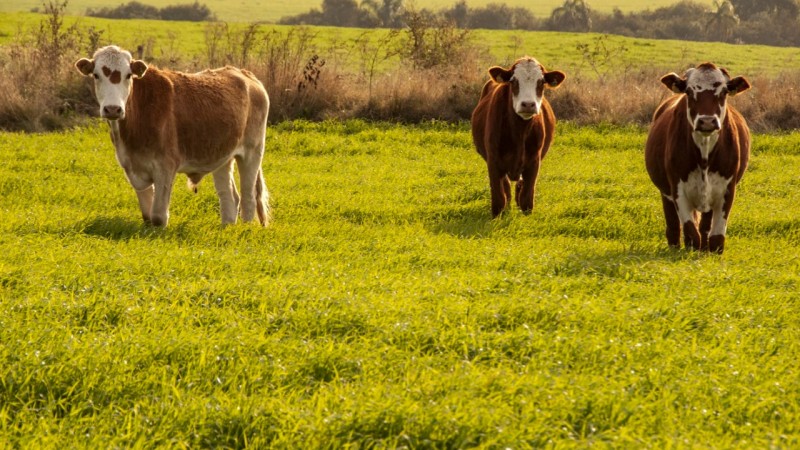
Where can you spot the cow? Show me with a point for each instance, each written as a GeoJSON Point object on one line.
{"type": "Point", "coordinates": [164, 122]}
{"type": "Point", "coordinates": [512, 129]}
{"type": "Point", "coordinates": [697, 150]}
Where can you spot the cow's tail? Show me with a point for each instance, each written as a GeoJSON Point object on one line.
{"type": "Point", "coordinates": [262, 199]}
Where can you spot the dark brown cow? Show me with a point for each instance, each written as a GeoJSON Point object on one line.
{"type": "Point", "coordinates": [696, 153]}
{"type": "Point", "coordinates": [512, 128]}
{"type": "Point", "coordinates": [165, 122]}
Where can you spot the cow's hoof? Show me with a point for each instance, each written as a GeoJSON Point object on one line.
{"type": "Point", "coordinates": [159, 222]}
{"type": "Point", "coordinates": [716, 244]}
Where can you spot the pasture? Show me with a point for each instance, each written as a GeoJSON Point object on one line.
{"type": "Point", "coordinates": [385, 308]}
{"type": "Point", "coordinates": [274, 10]}
{"type": "Point", "coordinates": [180, 45]}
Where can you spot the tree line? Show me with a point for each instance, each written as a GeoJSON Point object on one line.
{"type": "Point", "coordinates": [190, 12]}
{"type": "Point", "coordinates": [769, 22]}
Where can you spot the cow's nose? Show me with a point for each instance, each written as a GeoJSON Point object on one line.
{"type": "Point", "coordinates": [707, 124]}
{"type": "Point", "coordinates": [529, 107]}
{"type": "Point", "coordinates": [112, 111]}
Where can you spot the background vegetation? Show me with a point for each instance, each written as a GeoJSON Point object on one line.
{"type": "Point", "coordinates": [429, 70]}
{"type": "Point", "coordinates": [384, 307]}
{"type": "Point", "coordinates": [273, 10]}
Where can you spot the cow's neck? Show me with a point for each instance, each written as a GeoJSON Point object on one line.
{"type": "Point", "coordinates": [149, 93]}
{"type": "Point", "coordinates": [705, 142]}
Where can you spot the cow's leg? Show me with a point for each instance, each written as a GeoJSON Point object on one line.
{"type": "Point", "coordinates": [719, 222]}
{"type": "Point", "coordinates": [526, 192]}
{"type": "Point", "coordinates": [145, 197]}
{"type": "Point", "coordinates": [161, 196]}
{"type": "Point", "coordinates": [500, 188]}
{"type": "Point", "coordinates": [225, 186]}
{"type": "Point", "coordinates": [249, 177]}
{"type": "Point", "coordinates": [691, 237]}
{"type": "Point", "coordinates": [262, 199]}
{"type": "Point", "coordinates": [705, 227]}
{"type": "Point", "coordinates": [673, 222]}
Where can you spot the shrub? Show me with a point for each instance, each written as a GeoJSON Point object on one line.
{"type": "Point", "coordinates": [39, 89]}
{"type": "Point", "coordinates": [190, 12]}
{"type": "Point", "coordinates": [130, 10]}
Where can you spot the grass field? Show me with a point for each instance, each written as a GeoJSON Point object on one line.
{"type": "Point", "coordinates": [273, 10]}
{"type": "Point", "coordinates": [184, 43]}
{"type": "Point", "coordinates": [385, 308]}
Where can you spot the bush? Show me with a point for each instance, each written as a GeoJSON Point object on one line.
{"type": "Point", "coordinates": [130, 10]}
{"type": "Point", "coordinates": [39, 88]}
{"type": "Point", "coordinates": [190, 12]}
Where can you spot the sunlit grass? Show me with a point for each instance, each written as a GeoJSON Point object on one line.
{"type": "Point", "coordinates": [385, 307]}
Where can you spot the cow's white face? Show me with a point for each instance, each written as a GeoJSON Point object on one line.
{"type": "Point", "coordinates": [707, 89]}
{"type": "Point", "coordinates": [113, 70]}
{"type": "Point", "coordinates": [528, 81]}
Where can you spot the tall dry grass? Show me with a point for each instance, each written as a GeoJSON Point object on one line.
{"type": "Point", "coordinates": [439, 76]}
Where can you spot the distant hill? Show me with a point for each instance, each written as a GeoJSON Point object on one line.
{"type": "Point", "coordinates": [273, 10]}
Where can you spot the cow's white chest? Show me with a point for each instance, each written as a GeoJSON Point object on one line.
{"type": "Point", "coordinates": [705, 142]}
{"type": "Point", "coordinates": [139, 180]}
{"type": "Point", "coordinates": [703, 191]}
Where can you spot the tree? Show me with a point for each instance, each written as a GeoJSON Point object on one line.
{"type": "Point", "coordinates": [749, 8]}
{"type": "Point", "coordinates": [573, 15]}
{"type": "Point", "coordinates": [390, 12]}
{"type": "Point", "coordinates": [343, 13]}
{"type": "Point", "coordinates": [459, 13]}
{"type": "Point", "coordinates": [722, 22]}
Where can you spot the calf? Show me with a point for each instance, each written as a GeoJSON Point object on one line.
{"type": "Point", "coordinates": [165, 122]}
{"type": "Point", "coordinates": [512, 129]}
{"type": "Point", "coordinates": [696, 152]}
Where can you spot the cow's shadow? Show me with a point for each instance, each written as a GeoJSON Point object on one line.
{"type": "Point", "coordinates": [118, 228]}
{"type": "Point", "coordinates": [474, 221]}
{"type": "Point", "coordinates": [628, 262]}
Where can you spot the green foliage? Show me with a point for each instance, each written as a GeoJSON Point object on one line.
{"type": "Point", "coordinates": [191, 12]}
{"type": "Point", "coordinates": [385, 308]}
{"type": "Point", "coordinates": [273, 11]}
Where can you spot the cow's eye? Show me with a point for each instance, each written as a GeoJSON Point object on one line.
{"type": "Point", "coordinates": [96, 76]}
{"type": "Point", "coordinates": [129, 76]}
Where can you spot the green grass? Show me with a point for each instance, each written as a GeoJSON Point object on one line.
{"type": "Point", "coordinates": [184, 42]}
{"type": "Point", "coordinates": [384, 307]}
{"type": "Point", "coordinates": [273, 10]}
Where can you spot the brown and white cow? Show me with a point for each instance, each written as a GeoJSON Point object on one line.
{"type": "Point", "coordinates": [164, 122]}
{"type": "Point", "coordinates": [512, 129]}
{"type": "Point", "coordinates": [696, 152]}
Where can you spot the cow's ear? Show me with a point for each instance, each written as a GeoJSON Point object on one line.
{"type": "Point", "coordinates": [674, 83]}
{"type": "Point", "coordinates": [85, 66]}
{"type": "Point", "coordinates": [738, 85]}
{"type": "Point", "coordinates": [138, 67]}
{"type": "Point", "coordinates": [554, 78]}
{"type": "Point", "coordinates": [500, 75]}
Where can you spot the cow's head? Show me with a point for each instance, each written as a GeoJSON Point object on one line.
{"type": "Point", "coordinates": [707, 89]}
{"type": "Point", "coordinates": [112, 69]}
{"type": "Point", "coordinates": [528, 81]}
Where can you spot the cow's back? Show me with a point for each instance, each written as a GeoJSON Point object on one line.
{"type": "Point", "coordinates": [742, 134]}
{"type": "Point", "coordinates": [214, 110]}
{"type": "Point", "coordinates": [495, 124]}
{"type": "Point", "coordinates": [670, 131]}
{"type": "Point", "coordinates": [666, 127]}
{"type": "Point", "coordinates": [485, 111]}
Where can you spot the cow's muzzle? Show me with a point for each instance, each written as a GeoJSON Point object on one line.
{"type": "Point", "coordinates": [526, 110]}
{"type": "Point", "coordinates": [112, 112]}
{"type": "Point", "coordinates": [707, 124]}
